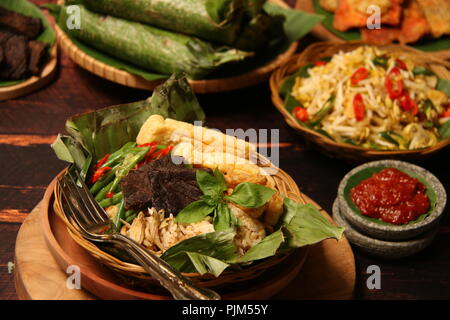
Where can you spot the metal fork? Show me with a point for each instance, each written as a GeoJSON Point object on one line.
{"type": "Point", "coordinates": [90, 218]}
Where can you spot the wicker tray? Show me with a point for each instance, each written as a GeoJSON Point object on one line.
{"type": "Point", "coordinates": [348, 152]}
{"type": "Point", "coordinates": [125, 78]}
{"type": "Point", "coordinates": [283, 182]}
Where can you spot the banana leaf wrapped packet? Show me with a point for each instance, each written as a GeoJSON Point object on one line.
{"type": "Point", "coordinates": [149, 47]}
{"type": "Point", "coordinates": [242, 24]}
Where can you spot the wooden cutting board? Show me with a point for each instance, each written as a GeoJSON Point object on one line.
{"type": "Point", "coordinates": [328, 273]}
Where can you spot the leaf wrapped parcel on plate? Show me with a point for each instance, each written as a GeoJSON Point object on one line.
{"type": "Point", "coordinates": [148, 47]}
{"type": "Point", "coordinates": [220, 21]}
{"type": "Point", "coordinates": [94, 134]}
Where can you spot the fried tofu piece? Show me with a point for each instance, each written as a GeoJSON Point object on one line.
{"type": "Point", "coordinates": [329, 5]}
{"type": "Point", "coordinates": [437, 13]}
{"type": "Point", "coordinates": [171, 132]}
{"type": "Point", "coordinates": [353, 13]}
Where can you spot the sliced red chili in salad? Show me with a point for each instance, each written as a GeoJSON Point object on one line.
{"type": "Point", "coordinates": [394, 83]}
{"type": "Point", "coordinates": [446, 113]}
{"type": "Point", "coordinates": [359, 75]}
{"type": "Point", "coordinates": [400, 64]}
{"type": "Point", "coordinates": [301, 114]}
{"type": "Point", "coordinates": [358, 107]}
{"type": "Point", "coordinates": [109, 195]}
{"type": "Point", "coordinates": [320, 63]}
{"type": "Point", "coordinates": [408, 104]}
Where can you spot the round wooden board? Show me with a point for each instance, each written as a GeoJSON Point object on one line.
{"type": "Point", "coordinates": [327, 271]}
{"type": "Point", "coordinates": [125, 78]}
{"type": "Point", "coordinates": [323, 33]}
{"type": "Point", "coordinates": [33, 83]}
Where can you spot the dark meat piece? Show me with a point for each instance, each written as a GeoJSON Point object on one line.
{"type": "Point", "coordinates": [30, 27]}
{"type": "Point", "coordinates": [4, 36]}
{"type": "Point", "coordinates": [1, 56]}
{"type": "Point", "coordinates": [38, 51]}
{"type": "Point", "coordinates": [15, 64]}
{"type": "Point", "coordinates": [160, 184]}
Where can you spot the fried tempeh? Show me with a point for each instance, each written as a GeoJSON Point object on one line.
{"type": "Point", "coordinates": [437, 13]}
{"type": "Point", "coordinates": [414, 26]}
{"type": "Point", "coordinates": [352, 13]}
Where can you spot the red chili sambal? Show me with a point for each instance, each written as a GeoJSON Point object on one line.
{"type": "Point", "coordinates": [392, 196]}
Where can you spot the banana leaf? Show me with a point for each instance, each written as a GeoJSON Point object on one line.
{"type": "Point", "coordinates": [442, 43]}
{"type": "Point", "coordinates": [149, 47]}
{"type": "Point", "coordinates": [94, 134]}
{"type": "Point", "coordinates": [214, 20]}
{"type": "Point", "coordinates": [28, 9]}
{"type": "Point", "coordinates": [296, 25]}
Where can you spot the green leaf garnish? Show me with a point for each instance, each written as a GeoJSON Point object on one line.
{"type": "Point", "coordinates": [195, 211]}
{"type": "Point", "coordinates": [250, 195]}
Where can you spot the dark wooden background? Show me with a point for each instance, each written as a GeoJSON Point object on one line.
{"type": "Point", "coordinates": [29, 124]}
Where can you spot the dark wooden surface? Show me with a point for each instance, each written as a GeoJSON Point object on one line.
{"type": "Point", "coordinates": [29, 124]}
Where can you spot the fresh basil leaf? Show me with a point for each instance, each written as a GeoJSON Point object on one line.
{"type": "Point", "coordinates": [266, 248]}
{"type": "Point", "coordinates": [194, 212]}
{"type": "Point", "coordinates": [250, 195]}
{"type": "Point", "coordinates": [208, 183]}
{"type": "Point", "coordinates": [223, 218]}
{"type": "Point", "coordinates": [444, 130]}
{"type": "Point", "coordinates": [444, 86]}
{"type": "Point", "coordinates": [221, 183]}
{"type": "Point", "coordinates": [217, 245]}
{"type": "Point", "coordinates": [306, 225]}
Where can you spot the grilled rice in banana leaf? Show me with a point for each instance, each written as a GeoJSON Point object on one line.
{"type": "Point", "coordinates": [150, 48]}
{"type": "Point", "coordinates": [230, 22]}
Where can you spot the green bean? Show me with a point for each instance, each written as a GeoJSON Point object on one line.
{"type": "Point", "coordinates": [119, 215]}
{"type": "Point", "coordinates": [111, 201]}
{"type": "Point", "coordinates": [102, 193]}
{"type": "Point", "coordinates": [119, 154]}
{"type": "Point", "coordinates": [129, 162]}
{"type": "Point", "coordinates": [131, 217]}
{"type": "Point", "coordinates": [97, 186]}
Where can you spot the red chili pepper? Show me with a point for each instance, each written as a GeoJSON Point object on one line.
{"type": "Point", "coordinates": [161, 153]}
{"type": "Point", "coordinates": [148, 144]}
{"type": "Point", "coordinates": [358, 107]}
{"type": "Point", "coordinates": [446, 113]}
{"type": "Point", "coordinates": [359, 75]}
{"type": "Point", "coordinates": [399, 63]}
{"type": "Point", "coordinates": [394, 83]}
{"type": "Point", "coordinates": [109, 194]}
{"type": "Point", "coordinates": [408, 104]}
{"type": "Point", "coordinates": [101, 161]}
{"type": "Point", "coordinates": [301, 114]}
{"type": "Point", "coordinates": [99, 173]}
{"type": "Point", "coordinates": [320, 63]}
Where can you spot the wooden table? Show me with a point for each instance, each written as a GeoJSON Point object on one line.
{"type": "Point", "coordinates": [29, 124]}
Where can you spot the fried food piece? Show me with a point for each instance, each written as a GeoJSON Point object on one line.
{"type": "Point", "coordinates": [38, 51]}
{"type": "Point", "coordinates": [15, 64]}
{"type": "Point", "coordinates": [437, 13]}
{"type": "Point", "coordinates": [30, 27]}
{"type": "Point", "coordinates": [329, 5]}
{"type": "Point", "coordinates": [414, 26]}
{"type": "Point", "coordinates": [353, 13]}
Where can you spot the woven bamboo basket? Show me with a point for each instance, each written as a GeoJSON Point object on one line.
{"type": "Point", "coordinates": [125, 78]}
{"type": "Point", "coordinates": [348, 152]}
{"type": "Point", "coordinates": [136, 274]}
